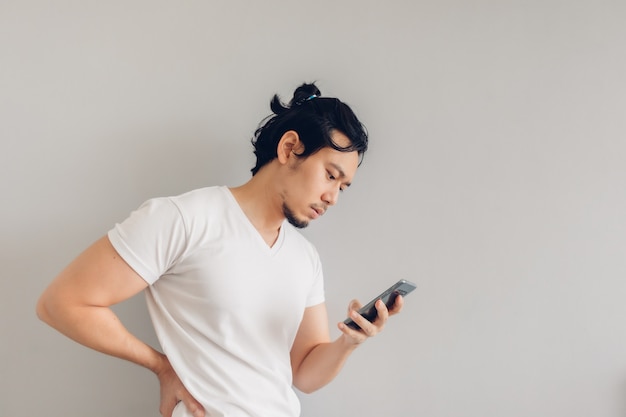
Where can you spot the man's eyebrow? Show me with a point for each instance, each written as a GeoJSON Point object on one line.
{"type": "Point", "coordinates": [341, 173]}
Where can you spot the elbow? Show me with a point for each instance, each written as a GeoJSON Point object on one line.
{"type": "Point", "coordinates": [304, 389]}
{"type": "Point", "coordinates": [307, 390]}
{"type": "Point", "coordinates": [307, 386]}
{"type": "Point", "coordinates": [43, 309]}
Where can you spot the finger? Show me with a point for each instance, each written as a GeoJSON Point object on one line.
{"type": "Point", "coordinates": [382, 312]}
{"type": "Point", "coordinates": [356, 335]}
{"type": "Point", "coordinates": [370, 329]}
{"type": "Point", "coordinates": [397, 305]}
{"type": "Point", "coordinates": [367, 327]}
{"type": "Point", "coordinates": [167, 408]}
{"type": "Point", "coordinates": [193, 406]}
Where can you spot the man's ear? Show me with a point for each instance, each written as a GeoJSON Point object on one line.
{"type": "Point", "coordinates": [287, 145]}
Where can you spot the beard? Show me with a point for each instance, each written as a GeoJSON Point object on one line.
{"type": "Point", "coordinates": [292, 219]}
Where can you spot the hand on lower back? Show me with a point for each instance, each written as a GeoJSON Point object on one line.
{"type": "Point", "coordinates": [173, 392]}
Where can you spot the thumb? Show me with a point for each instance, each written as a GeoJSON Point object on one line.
{"type": "Point", "coordinates": [354, 305]}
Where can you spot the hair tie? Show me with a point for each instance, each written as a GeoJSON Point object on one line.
{"type": "Point", "coordinates": [302, 101]}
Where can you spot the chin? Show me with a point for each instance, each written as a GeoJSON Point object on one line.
{"type": "Point", "coordinates": [292, 219]}
{"type": "Point", "coordinates": [299, 223]}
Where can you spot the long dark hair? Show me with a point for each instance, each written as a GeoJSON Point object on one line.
{"type": "Point", "coordinates": [314, 118]}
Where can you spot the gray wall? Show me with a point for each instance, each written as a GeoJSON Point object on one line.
{"type": "Point", "coordinates": [496, 181]}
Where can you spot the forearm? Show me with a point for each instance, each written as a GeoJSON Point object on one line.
{"type": "Point", "coordinates": [77, 304]}
{"type": "Point", "coordinates": [100, 329]}
{"type": "Point", "coordinates": [322, 364]}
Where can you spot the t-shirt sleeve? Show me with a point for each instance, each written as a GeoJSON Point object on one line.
{"type": "Point", "coordinates": [151, 239]}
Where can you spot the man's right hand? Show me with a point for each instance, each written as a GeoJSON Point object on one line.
{"type": "Point", "coordinates": [173, 392]}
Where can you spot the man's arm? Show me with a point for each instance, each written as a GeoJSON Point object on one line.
{"type": "Point", "coordinates": [315, 360]}
{"type": "Point", "coordinates": [77, 304]}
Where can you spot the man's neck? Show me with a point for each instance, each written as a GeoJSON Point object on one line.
{"type": "Point", "coordinates": [260, 203]}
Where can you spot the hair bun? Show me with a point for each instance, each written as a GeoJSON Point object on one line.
{"type": "Point", "coordinates": [304, 93]}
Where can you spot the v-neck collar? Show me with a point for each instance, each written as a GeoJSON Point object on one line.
{"type": "Point", "coordinates": [272, 250]}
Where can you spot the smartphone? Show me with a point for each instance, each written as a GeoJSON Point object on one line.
{"type": "Point", "coordinates": [402, 287]}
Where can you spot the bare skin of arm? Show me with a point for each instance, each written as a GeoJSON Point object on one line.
{"type": "Point", "coordinates": [77, 304]}
{"type": "Point", "coordinates": [315, 360]}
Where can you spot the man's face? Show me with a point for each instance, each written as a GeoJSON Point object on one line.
{"type": "Point", "coordinates": [314, 183]}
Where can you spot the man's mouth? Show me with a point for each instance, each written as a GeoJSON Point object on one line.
{"type": "Point", "coordinates": [319, 211]}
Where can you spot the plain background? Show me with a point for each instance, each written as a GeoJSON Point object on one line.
{"type": "Point", "coordinates": [496, 180]}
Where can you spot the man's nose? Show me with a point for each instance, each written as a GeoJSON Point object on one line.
{"type": "Point", "coordinates": [330, 197]}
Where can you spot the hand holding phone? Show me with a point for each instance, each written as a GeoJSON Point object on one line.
{"type": "Point", "coordinates": [402, 287]}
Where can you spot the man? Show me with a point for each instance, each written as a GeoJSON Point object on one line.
{"type": "Point", "coordinates": [234, 291]}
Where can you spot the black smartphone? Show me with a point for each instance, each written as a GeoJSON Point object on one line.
{"type": "Point", "coordinates": [402, 287]}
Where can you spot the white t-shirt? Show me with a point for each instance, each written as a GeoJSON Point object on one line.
{"type": "Point", "coordinates": [225, 306]}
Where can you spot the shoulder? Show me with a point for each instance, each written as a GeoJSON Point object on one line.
{"type": "Point", "coordinates": [184, 205]}
{"type": "Point", "coordinates": [201, 201]}
{"type": "Point", "coordinates": [201, 196]}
